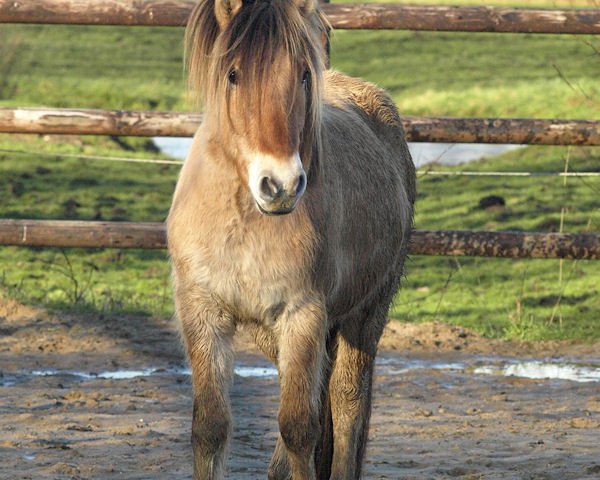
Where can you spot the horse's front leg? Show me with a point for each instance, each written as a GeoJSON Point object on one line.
{"type": "Point", "coordinates": [208, 334]}
{"type": "Point", "coordinates": [302, 333]}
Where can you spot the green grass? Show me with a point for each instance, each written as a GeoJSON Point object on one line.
{"type": "Point", "coordinates": [457, 74]}
{"type": "Point", "coordinates": [427, 73]}
{"type": "Point", "coordinates": [92, 67]}
{"type": "Point", "coordinates": [521, 299]}
{"type": "Point", "coordinates": [33, 186]}
{"type": "Point", "coordinates": [477, 74]}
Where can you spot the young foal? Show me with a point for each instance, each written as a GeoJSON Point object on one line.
{"type": "Point", "coordinates": [291, 218]}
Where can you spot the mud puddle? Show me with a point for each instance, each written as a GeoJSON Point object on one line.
{"type": "Point", "coordinates": [548, 369]}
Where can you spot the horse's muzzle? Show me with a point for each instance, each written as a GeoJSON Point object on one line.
{"type": "Point", "coordinates": [278, 198]}
{"type": "Point", "coordinates": [276, 183]}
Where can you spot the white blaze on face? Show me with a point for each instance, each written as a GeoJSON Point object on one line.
{"type": "Point", "coordinates": [285, 173]}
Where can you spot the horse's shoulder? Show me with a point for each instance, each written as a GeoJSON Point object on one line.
{"type": "Point", "coordinates": [372, 101]}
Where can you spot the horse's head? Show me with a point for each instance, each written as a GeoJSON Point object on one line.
{"type": "Point", "coordinates": [258, 67]}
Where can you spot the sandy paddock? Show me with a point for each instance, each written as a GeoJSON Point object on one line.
{"type": "Point", "coordinates": [428, 423]}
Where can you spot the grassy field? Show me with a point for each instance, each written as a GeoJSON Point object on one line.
{"type": "Point", "coordinates": [427, 73]}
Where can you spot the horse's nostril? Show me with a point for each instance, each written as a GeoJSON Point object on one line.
{"type": "Point", "coordinates": [301, 185]}
{"type": "Point", "coordinates": [269, 188]}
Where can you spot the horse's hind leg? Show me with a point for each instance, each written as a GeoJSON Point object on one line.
{"type": "Point", "coordinates": [350, 392]}
{"type": "Point", "coordinates": [208, 335]}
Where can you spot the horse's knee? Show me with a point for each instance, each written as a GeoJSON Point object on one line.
{"type": "Point", "coordinates": [210, 429]}
{"type": "Point", "coordinates": [350, 393]}
{"type": "Point", "coordinates": [299, 430]}
{"type": "Point", "coordinates": [350, 386]}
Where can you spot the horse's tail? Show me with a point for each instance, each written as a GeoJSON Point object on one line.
{"type": "Point", "coordinates": [324, 448]}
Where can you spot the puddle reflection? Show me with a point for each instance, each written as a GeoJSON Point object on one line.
{"type": "Point", "coordinates": [542, 370]}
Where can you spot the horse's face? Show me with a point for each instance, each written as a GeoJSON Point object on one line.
{"type": "Point", "coordinates": [259, 63]}
{"type": "Point", "coordinates": [265, 132]}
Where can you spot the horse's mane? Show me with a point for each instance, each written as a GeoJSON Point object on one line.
{"type": "Point", "coordinates": [259, 32]}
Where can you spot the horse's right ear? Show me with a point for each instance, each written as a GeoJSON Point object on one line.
{"type": "Point", "coordinates": [225, 10]}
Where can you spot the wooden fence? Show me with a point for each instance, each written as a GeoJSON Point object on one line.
{"type": "Point", "coordinates": [344, 16]}
{"type": "Point", "coordinates": [418, 129]}
{"type": "Point", "coordinates": [49, 233]}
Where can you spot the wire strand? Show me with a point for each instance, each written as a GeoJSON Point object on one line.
{"type": "Point", "coordinates": [466, 173]}
{"type": "Point", "coordinates": [94, 157]}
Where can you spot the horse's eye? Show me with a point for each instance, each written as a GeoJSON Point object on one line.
{"type": "Point", "coordinates": [232, 77]}
{"type": "Point", "coordinates": [306, 78]}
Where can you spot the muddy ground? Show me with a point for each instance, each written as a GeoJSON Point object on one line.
{"type": "Point", "coordinates": [428, 423]}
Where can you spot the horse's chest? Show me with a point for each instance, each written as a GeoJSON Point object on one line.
{"type": "Point", "coordinates": [248, 273]}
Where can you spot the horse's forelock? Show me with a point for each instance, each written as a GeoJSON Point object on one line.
{"type": "Point", "coordinates": [251, 41]}
{"type": "Point", "coordinates": [260, 33]}
{"type": "Point", "coordinates": [257, 36]}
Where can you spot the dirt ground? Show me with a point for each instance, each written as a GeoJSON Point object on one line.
{"type": "Point", "coordinates": [428, 423]}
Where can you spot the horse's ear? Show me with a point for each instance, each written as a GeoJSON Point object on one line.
{"type": "Point", "coordinates": [324, 27]}
{"type": "Point", "coordinates": [306, 6]}
{"type": "Point", "coordinates": [225, 10]}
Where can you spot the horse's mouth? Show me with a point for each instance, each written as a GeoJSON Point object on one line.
{"type": "Point", "coordinates": [275, 213]}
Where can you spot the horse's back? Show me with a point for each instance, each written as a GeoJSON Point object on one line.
{"type": "Point", "coordinates": [369, 99]}
{"type": "Point", "coordinates": [369, 192]}
{"type": "Point", "coordinates": [359, 99]}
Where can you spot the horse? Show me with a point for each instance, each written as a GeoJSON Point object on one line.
{"type": "Point", "coordinates": [291, 220]}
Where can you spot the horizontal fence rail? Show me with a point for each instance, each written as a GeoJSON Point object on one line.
{"type": "Point", "coordinates": [418, 129]}
{"type": "Point", "coordinates": [344, 16]}
{"type": "Point", "coordinates": [83, 234]}
{"type": "Point", "coordinates": [68, 121]}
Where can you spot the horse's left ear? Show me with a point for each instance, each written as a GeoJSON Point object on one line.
{"type": "Point", "coordinates": [225, 10]}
